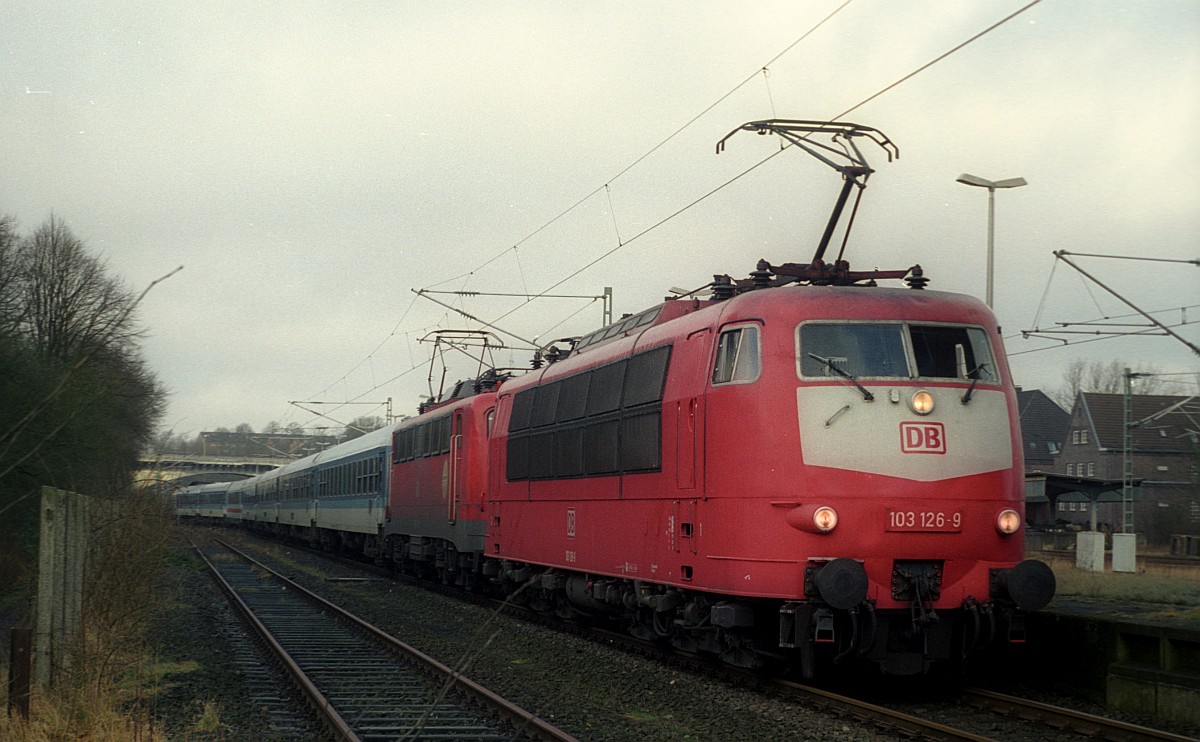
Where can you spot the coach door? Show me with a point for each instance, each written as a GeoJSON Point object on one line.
{"type": "Point", "coordinates": [457, 468]}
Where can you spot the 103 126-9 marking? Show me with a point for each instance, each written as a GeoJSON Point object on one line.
{"type": "Point", "coordinates": [924, 520]}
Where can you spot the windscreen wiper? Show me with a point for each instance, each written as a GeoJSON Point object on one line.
{"type": "Point", "coordinates": [974, 374]}
{"type": "Point", "coordinates": [838, 370]}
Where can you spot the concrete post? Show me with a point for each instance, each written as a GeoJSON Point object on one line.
{"type": "Point", "coordinates": [61, 550]}
{"type": "Point", "coordinates": [1124, 552]}
{"type": "Point", "coordinates": [1089, 551]}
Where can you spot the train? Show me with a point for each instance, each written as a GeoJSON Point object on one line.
{"type": "Point", "coordinates": [803, 469]}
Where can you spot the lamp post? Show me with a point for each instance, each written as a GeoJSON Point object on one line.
{"type": "Point", "coordinates": [991, 185]}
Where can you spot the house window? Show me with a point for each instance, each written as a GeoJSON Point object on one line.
{"type": "Point", "coordinates": [1083, 438]}
{"type": "Point", "coordinates": [1070, 470]}
{"type": "Point", "coordinates": [1062, 507]}
{"type": "Point", "coordinates": [1091, 469]}
{"type": "Point", "coordinates": [1075, 437]}
{"type": "Point", "coordinates": [1072, 507]}
{"type": "Point", "coordinates": [1083, 507]}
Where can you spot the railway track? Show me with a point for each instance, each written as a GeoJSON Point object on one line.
{"type": "Point", "coordinates": [365, 684]}
{"type": "Point", "coordinates": [1067, 720]}
{"type": "Point", "coordinates": [1024, 719]}
{"type": "Point", "coordinates": [991, 715]}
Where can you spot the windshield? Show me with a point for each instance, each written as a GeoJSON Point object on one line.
{"type": "Point", "coordinates": [895, 350]}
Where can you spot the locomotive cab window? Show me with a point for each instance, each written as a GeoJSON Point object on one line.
{"type": "Point", "coordinates": [895, 350]}
{"type": "Point", "coordinates": [949, 352]}
{"type": "Point", "coordinates": [738, 358]}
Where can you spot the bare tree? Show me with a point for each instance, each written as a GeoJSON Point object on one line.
{"type": "Point", "coordinates": [10, 304]}
{"type": "Point", "coordinates": [360, 426]}
{"type": "Point", "coordinates": [77, 402]}
{"type": "Point", "coordinates": [1099, 377]}
{"type": "Point", "coordinates": [71, 304]}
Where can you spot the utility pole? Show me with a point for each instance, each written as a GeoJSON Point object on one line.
{"type": "Point", "coordinates": [1127, 454]}
{"type": "Point", "coordinates": [1125, 542]}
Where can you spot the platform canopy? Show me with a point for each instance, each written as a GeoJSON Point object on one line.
{"type": "Point", "coordinates": [1052, 488]}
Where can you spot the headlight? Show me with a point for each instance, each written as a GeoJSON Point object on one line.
{"type": "Point", "coordinates": [1008, 522]}
{"type": "Point", "coordinates": [825, 519]}
{"type": "Point", "coordinates": [921, 402]}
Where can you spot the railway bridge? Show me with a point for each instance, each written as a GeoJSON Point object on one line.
{"type": "Point", "coordinates": [180, 470]}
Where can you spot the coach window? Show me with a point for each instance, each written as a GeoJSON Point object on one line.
{"type": "Point", "coordinates": [738, 359]}
{"type": "Point", "coordinates": [545, 404]}
{"type": "Point", "coordinates": [645, 376]}
{"type": "Point", "coordinates": [641, 441]}
{"type": "Point", "coordinates": [572, 399]}
{"type": "Point", "coordinates": [568, 452]}
{"type": "Point", "coordinates": [443, 427]}
{"type": "Point", "coordinates": [601, 452]}
{"type": "Point", "coordinates": [419, 441]}
{"type": "Point", "coordinates": [607, 384]}
{"type": "Point", "coordinates": [522, 408]}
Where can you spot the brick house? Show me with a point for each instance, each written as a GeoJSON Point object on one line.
{"type": "Point", "coordinates": [1165, 452]}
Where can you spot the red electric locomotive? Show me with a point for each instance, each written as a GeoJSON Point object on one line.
{"type": "Point", "coordinates": [785, 469]}
{"type": "Point", "coordinates": [781, 471]}
{"type": "Point", "coordinates": [435, 520]}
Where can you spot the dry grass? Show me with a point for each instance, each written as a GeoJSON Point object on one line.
{"type": "Point", "coordinates": [1143, 587]}
{"type": "Point", "coordinates": [116, 712]}
{"type": "Point", "coordinates": [106, 693]}
{"type": "Point", "coordinates": [78, 711]}
{"type": "Point", "coordinates": [1168, 595]}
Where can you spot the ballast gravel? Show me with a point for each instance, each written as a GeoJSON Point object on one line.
{"type": "Point", "coordinates": [594, 692]}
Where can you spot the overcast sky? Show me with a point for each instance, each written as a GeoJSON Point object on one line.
{"type": "Point", "coordinates": [310, 164]}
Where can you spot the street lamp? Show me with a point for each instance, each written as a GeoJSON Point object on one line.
{"type": "Point", "coordinates": [973, 180]}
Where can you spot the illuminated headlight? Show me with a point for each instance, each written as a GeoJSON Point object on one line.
{"type": "Point", "coordinates": [1008, 522]}
{"type": "Point", "coordinates": [825, 519]}
{"type": "Point", "coordinates": [921, 402]}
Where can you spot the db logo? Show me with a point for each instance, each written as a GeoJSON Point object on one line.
{"type": "Point", "coordinates": [922, 438]}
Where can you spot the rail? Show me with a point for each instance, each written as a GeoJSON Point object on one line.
{"type": "Point", "coordinates": [352, 722]}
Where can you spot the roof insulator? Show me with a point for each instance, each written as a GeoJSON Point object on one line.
{"type": "Point", "coordinates": [917, 279]}
{"type": "Point", "coordinates": [723, 288]}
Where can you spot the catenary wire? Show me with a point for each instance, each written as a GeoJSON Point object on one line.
{"type": "Point", "coordinates": [651, 151]}
{"type": "Point", "coordinates": [728, 182]}
{"type": "Point", "coordinates": [693, 203]}
{"type": "Point", "coordinates": [514, 248]}
{"type": "Point", "coordinates": [931, 63]}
